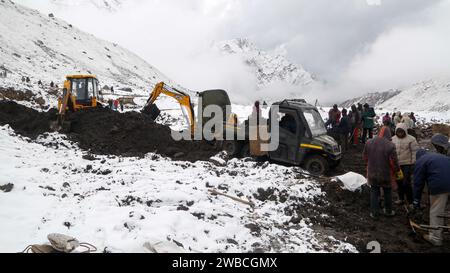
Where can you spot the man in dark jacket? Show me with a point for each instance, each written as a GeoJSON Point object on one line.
{"type": "Point", "coordinates": [381, 157]}
{"type": "Point", "coordinates": [434, 170]}
{"type": "Point", "coordinates": [355, 121]}
{"type": "Point", "coordinates": [344, 129]}
{"type": "Point", "coordinates": [440, 142]}
{"type": "Point", "coordinates": [368, 116]}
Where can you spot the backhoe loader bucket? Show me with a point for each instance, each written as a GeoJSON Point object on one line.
{"type": "Point", "coordinates": [152, 111]}
{"type": "Point", "coordinates": [61, 126]}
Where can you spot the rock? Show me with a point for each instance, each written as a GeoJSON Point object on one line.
{"type": "Point", "coordinates": [181, 207]}
{"type": "Point", "coordinates": [199, 215]}
{"type": "Point", "coordinates": [223, 187]}
{"type": "Point", "coordinates": [253, 228]}
{"type": "Point", "coordinates": [47, 188]}
{"type": "Point", "coordinates": [7, 188]}
{"type": "Point", "coordinates": [89, 157]}
{"type": "Point", "coordinates": [219, 162]}
{"type": "Point", "coordinates": [105, 172]}
{"type": "Point", "coordinates": [232, 241]}
{"type": "Point", "coordinates": [66, 185]}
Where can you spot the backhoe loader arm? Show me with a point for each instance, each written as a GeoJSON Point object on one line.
{"type": "Point", "coordinates": [64, 102]}
{"type": "Point", "coordinates": [182, 98]}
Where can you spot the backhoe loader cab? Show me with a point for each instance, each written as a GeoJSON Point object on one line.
{"type": "Point", "coordinates": [79, 92]}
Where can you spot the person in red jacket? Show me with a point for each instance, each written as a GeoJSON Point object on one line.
{"type": "Point", "coordinates": [116, 104]}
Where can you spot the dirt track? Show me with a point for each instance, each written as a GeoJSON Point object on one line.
{"type": "Point", "coordinates": [102, 131]}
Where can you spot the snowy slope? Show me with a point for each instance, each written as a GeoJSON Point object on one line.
{"type": "Point", "coordinates": [119, 204]}
{"type": "Point", "coordinates": [432, 95]}
{"type": "Point", "coordinates": [373, 99]}
{"type": "Point", "coordinates": [46, 48]}
{"type": "Point", "coordinates": [109, 5]}
{"type": "Point", "coordinates": [269, 67]}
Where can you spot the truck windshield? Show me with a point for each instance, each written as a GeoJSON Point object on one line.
{"type": "Point", "coordinates": [315, 122]}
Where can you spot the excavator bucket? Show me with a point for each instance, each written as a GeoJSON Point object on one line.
{"type": "Point", "coordinates": [152, 111]}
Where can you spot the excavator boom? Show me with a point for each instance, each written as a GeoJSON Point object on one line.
{"type": "Point", "coordinates": [182, 98]}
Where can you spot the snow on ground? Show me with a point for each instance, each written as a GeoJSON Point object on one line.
{"type": "Point", "coordinates": [122, 203]}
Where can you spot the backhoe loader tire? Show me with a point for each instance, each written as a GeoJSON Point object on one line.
{"type": "Point", "coordinates": [316, 165]}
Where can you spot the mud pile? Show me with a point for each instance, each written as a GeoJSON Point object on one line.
{"type": "Point", "coordinates": [25, 121]}
{"type": "Point", "coordinates": [103, 131]}
{"type": "Point", "coordinates": [106, 132]}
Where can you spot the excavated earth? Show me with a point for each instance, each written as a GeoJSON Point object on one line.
{"type": "Point", "coordinates": [106, 132]}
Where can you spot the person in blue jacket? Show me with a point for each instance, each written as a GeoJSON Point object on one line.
{"type": "Point", "coordinates": [432, 169]}
{"type": "Point", "coordinates": [440, 142]}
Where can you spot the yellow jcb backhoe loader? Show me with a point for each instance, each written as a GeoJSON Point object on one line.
{"type": "Point", "coordinates": [79, 92]}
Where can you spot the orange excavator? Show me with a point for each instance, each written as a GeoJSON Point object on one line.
{"type": "Point", "coordinates": [209, 97]}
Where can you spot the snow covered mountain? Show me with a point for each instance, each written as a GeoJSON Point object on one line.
{"type": "Point", "coordinates": [110, 5]}
{"type": "Point", "coordinates": [432, 95]}
{"type": "Point", "coordinates": [45, 48]}
{"type": "Point", "coordinates": [427, 96]}
{"type": "Point", "coordinates": [373, 99]}
{"type": "Point", "coordinates": [268, 66]}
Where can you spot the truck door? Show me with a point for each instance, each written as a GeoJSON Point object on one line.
{"type": "Point", "coordinates": [290, 130]}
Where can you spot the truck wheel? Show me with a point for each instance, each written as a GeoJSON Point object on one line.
{"type": "Point", "coordinates": [334, 164]}
{"type": "Point", "coordinates": [245, 151]}
{"type": "Point", "coordinates": [316, 165]}
{"type": "Point", "coordinates": [233, 148]}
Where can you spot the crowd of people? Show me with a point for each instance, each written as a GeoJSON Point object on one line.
{"type": "Point", "coordinates": [354, 126]}
{"type": "Point", "coordinates": [396, 164]}
{"type": "Point", "coordinates": [357, 125]}
{"type": "Point", "coordinates": [114, 104]}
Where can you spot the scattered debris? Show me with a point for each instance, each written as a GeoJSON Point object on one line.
{"type": "Point", "coordinates": [7, 188]}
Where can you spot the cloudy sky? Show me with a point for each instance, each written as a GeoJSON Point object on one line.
{"type": "Point", "coordinates": [356, 46]}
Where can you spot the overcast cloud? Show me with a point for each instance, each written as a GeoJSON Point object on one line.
{"type": "Point", "coordinates": [354, 46]}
